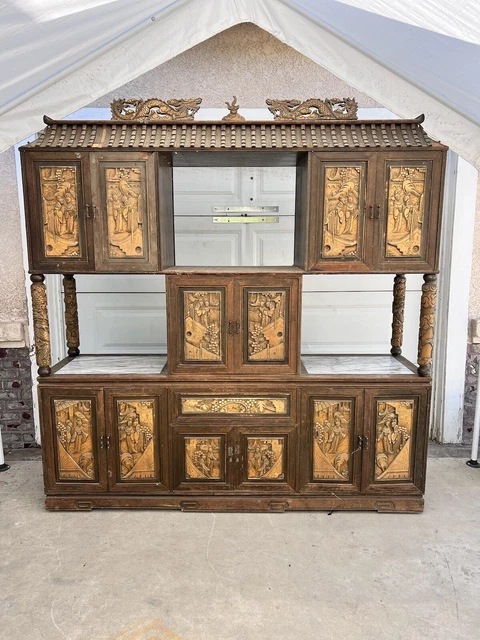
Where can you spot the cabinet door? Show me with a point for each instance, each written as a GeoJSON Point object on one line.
{"type": "Point", "coordinates": [330, 460]}
{"type": "Point", "coordinates": [58, 211]}
{"type": "Point", "coordinates": [125, 211]}
{"type": "Point", "coordinates": [136, 440]}
{"type": "Point", "coordinates": [203, 458]}
{"type": "Point", "coordinates": [396, 425]}
{"type": "Point", "coordinates": [266, 332]}
{"type": "Point", "coordinates": [407, 211]}
{"type": "Point", "coordinates": [73, 440]}
{"type": "Point", "coordinates": [198, 331]}
{"type": "Point", "coordinates": [341, 204]}
{"type": "Point", "coordinates": [264, 459]}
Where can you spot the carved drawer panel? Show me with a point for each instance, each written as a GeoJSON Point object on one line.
{"type": "Point", "coordinates": [247, 405]}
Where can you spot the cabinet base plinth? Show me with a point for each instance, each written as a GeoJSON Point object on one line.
{"type": "Point", "coordinates": [390, 504]}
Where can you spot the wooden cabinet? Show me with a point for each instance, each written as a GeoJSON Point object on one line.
{"type": "Point", "coordinates": [220, 324]}
{"type": "Point", "coordinates": [374, 211]}
{"type": "Point", "coordinates": [99, 211]}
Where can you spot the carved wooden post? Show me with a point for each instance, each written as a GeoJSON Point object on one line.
{"type": "Point", "coordinates": [427, 324]}
{"type": "Point", "coordinates": [398, 309]}
{"type": "Point", "coordinates": [41, 328]}
{"type": "Point", "coordinates": [71, 315]}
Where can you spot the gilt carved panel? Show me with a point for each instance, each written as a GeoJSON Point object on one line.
{"type": "Point", "coordinates": [125, 187]}
{"type": "Point", "coordinates": [266, 317]}
{"type": "Point", "coordinates": [59, 203]}
{"type": "Point", "coordinates": [202, 319]}
{"type": "Point", "coordinates": [74, 435]}
{"type": "Point", "coordinates": [406, 207]}
{"type": "Point", "coordinates": [203, 458]}
{"type": "Point", "coordinates": [234, 405]}
{"type": "Point", "coordinates": [394, 424]}
{"type": "Point", "coordinates": [332, 431]}
{"type": "Point", "coordinates": [136, 437]}
{"type": "Point", "coordinates": [265, 458]}
{"type": "Point", "coordinates": [341, 205]}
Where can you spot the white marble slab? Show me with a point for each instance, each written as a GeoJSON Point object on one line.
{"type": "Point", "coordinates": [110, 365]}
{"type": "Point", "coordinates": [354, 365]}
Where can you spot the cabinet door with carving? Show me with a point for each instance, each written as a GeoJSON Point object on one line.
{"type": "Point", "coordinates": [73, 440]}
{"type": "Point", "coordinates": [58, 211]}
{"type": "Point", "coordinates": [203, 458]}
{"type": "Point", "coordinates": [125, 211]}
{"type": "Point", "coordinates": [396, 424]}
{"type": "Point", "coordinates": [407, 211]}
{"type": "Point", "coordinates": [264, 459]}
{"type": "Point", "coordinates": [332, 440]}
{"type": "Point", "coordinates": [342, 189]}
{"type": "Point", "coordinates": [266, 324]}
{"type": "Point", "coordinates": [199, 331]}
{"type": "Point", "coordinates": [137, 439]}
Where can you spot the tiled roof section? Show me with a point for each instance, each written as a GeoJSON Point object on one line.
{"type": "Point", "coordinates": [248, 135]}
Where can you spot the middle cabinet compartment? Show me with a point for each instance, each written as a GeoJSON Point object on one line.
{"type": "Point", "coordinates": [242, 324]}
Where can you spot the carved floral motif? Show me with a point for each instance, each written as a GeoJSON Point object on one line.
{"type": "Point", "coordinates": [341, 206]}
{"type": "Point", "coordinates": [398, 312]}
{"type": "Point", "coordinates": [393, 433]}
{"type": "Point", "coordinates": [58, 189]}
{"type": "Point", "coordinates": [202, 458]}
{"type": "Point", "coordinates": [314, 109]}
{"type": "Point", "coordinates": [266, 325]}
{"type": "Point", "coordinates": [234, 405]}
{"type": "Point", "coordinates": [332, 431]}
{"type": "Point", "coordinates": [41, 327]}
{"type": "Point", "coordinates": [265, 458]}
{"type": "Point", "coordinates": [73, 426]}
{"type": "Point", "coordinates": [135, 423]}
{"type": "Point", "coordinates": [203, 325]}
{"type": "Point", "coordinates": [427, 324]}
{"type": "Point", "coordinates": [155, 109]}
{"type": "Point", "coordinates": [71, 315]}
{"type": "Point", "coordinates": [406, 207]}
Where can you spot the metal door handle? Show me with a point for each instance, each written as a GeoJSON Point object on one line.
{"type": "Point", "coordinates": [359, 446]}
{"type": "Point", "coordinates": [102, 441]}
{"type": "Point", "coordinates": [367, 443]}
{"type": "Point", "coordinates": [237, 327]}
{"type": "Point", "coordinates": [87, 211]}
{"type": "Point", "coordinates": [109, 442]}
{"type": "Point", "coordinates": [378, 212]}
{"type": "Point", "coordinates": [370, 215]}
{"type": "Point", "coordinates": [230, 327]}
{"type": "Point", "coordinates": [94, 209]}
{"type": "Point", "coordinates": [230, 454]}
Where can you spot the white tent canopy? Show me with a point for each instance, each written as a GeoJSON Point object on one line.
{"type": "Point", "coordinates": [57, 56]}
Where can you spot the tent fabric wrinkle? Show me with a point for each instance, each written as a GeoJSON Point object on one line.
{"type": "Point", "coordinates": [412, 57]}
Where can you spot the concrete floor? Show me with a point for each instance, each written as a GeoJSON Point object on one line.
{"type": "Point", "coordinates": [299, 576]}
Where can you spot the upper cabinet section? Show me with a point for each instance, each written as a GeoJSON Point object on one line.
{"type": "Point", "coordinates": [374, 211]}
{"type": "Point", "coordinates": [99, 211]}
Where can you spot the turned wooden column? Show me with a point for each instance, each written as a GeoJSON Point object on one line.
{"type": "Point", "coordinates": [41, 328]}
{"type": "Point", "coordinates": [427, 324]}
{"type": "Point", "coordinates": [71, 315]}
{"type": "Point", "coordinates": [398, 312]}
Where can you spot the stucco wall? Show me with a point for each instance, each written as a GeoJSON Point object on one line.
{"type": "Point", "coordinates": [474, 310]}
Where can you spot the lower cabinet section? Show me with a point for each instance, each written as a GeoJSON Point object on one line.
{"type": "Point", "coordinates": [354, 447]}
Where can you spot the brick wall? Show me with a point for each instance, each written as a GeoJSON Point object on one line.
{"type": "Point", "coordinates": [16, 408]}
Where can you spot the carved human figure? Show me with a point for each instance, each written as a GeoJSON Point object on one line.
{"type": "Point", "coordinates": [335, 433]}
{"type": "Point", "coordinates": [79, 434]}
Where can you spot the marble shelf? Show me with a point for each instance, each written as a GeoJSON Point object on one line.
{"type": "Point", "coordinates": [113, 365]}
{"type": "Point", "coordinates": [354, 365]}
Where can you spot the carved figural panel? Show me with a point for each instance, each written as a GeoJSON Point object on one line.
{"type": "Point", "coordinates": [406, 207]}
{"type": "Point", "coordinates": [136, 437]}
{"type": "Point", "coordinates": [332, 431]}
{"type": "Point", "coordinates": [74, 435]}
{"type": "Point", "coordinates": [228, 404]}
{"type": "Point", "coordinates": [203, 458]}
{"type": "Point", "coordinates": [202, 311]}
{"type": "Point", "coordinates": [341, 205]}
{"type": "Point", "coordinates": [265, 458]}
{"type": "Point", "coordinates": [59, 202]}
{"type": "Point", "coordinates": [125, 212]}
{"type": "Point", "coordinates": [266, 317]}
{"type": "Point", "coordinates": [394, 424]}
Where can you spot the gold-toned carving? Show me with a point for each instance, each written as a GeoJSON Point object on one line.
{"type": "Point", "coordinates": [406, 207]}
{"type": "Point", "coordinates": [265, 458]}
{"type": "Point", "coordinates": [314, 109]}
{"type": "Point", "coordinates": [394, 424]}
{"type": "Point", "coordinates": [58, 189]}
{"type": "Point", "coordinates": [266, 312]}
{"type": "Point", "coordinates": [41, 327]}
{"type": "Point", "coordinates": [74, 433]}
{"type": "Point", "coordinates": [125, 212]}
{"type": "Point", "coordinates": [202, 312]}
{"type": "Point", "coordinates": [427, 324]}
{"type": "Point", "coordinates": [341, 206]}
{"type": "Point", "coordinates": [71, 315]}
{"type": "Point", "coordinates": [203, 458]}
{"type": "Point", "coordinates": [232, 405]}
{"type": "Point", "coordinates": [155, 109]}
{"type": "Point", "coordinates": [332, 437]}
{"type": "Point", "coordinates": [398, 310]}
{"type": "Point", "coordinates": [233, 116]}
{"type": "Point", "coordinates": [135, 423]}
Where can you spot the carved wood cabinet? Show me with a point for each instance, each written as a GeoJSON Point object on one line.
{"type": "Point", "coordinates": [233, 417]}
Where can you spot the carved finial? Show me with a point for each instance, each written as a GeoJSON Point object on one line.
{"type": "Point", "coordinates": [154, 109]}
{"type": "Point", "coordinates": [314, 109]}
{"type": "Point", "coordinates": [233, 116]}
